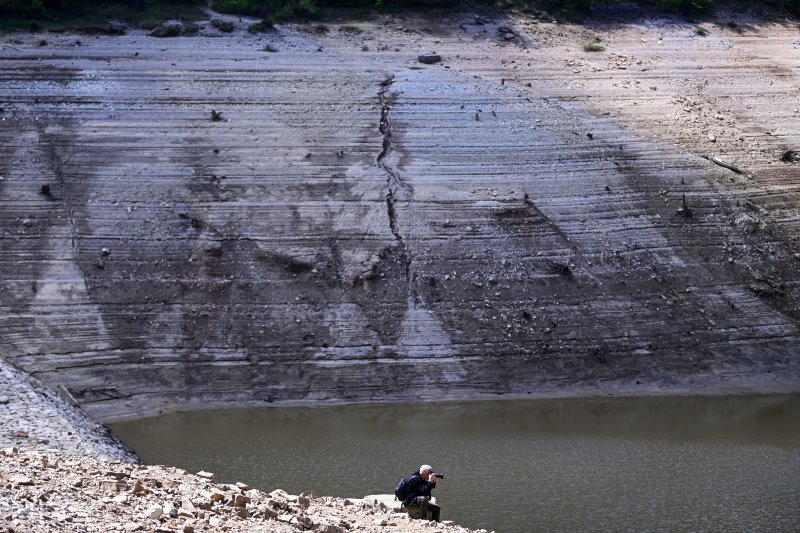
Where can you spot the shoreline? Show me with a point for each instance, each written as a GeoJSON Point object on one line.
{"type": "Point", "coordinates": [788, 386]}
{"type": "Point", "coordinates": [134, 496]}
{"type": "Point", "coordinates": [92, 495]}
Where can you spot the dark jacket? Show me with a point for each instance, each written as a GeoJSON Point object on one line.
{"type": "Point", "coordinates": [418, 487]}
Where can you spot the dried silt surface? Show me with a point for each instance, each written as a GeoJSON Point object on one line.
{"type": "Point", "coordinates": [312, 214]}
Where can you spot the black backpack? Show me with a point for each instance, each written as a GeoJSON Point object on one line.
{"type": "Point", "coordinates": [401, 490]}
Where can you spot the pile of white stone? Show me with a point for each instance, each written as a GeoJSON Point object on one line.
{"type": "Point", "coordinates": [33, 417]}
{"type": "Point", "coordinates": [48, 492]}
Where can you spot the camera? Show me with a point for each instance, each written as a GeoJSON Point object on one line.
{"type": "Point", "coordinates": [438, 475]}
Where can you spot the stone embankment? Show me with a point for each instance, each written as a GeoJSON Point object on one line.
{"type": "Point", "coordinates": [46, 492]}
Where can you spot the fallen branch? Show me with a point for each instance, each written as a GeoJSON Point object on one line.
{"type": "Point", "coordinates": [724, 164]}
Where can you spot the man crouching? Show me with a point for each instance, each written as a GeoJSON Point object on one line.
{"type": "Point", "coordinates": [417, 494]}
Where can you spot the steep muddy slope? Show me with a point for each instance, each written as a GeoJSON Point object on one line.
{"type": "Point", "coordinates": [522, 218]}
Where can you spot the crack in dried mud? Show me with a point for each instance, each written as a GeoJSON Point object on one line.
{"type": "Point", "coordinates": [397, 189]}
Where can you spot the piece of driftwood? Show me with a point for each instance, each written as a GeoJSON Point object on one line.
{"type": "Point", "coordinates": [725, 164]}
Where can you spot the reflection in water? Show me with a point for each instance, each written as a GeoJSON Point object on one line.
{"type": "Point", "coordinates": [703, 463]}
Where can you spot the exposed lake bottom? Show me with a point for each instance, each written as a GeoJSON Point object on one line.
{"type": "Point", "coordinates": [699, 463]}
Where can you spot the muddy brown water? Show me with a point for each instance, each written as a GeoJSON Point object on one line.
{"type": "Point", "coordinates": [612, 464]}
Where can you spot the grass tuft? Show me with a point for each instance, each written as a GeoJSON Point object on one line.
{"type": "Point", "coordinates": [225, 26]}
{"type": "Point", "coordinates": [593, 47]}
{"type": "Point", "coordinates": [260, 27]}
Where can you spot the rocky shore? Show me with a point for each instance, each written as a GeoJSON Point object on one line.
{"type": "Point", "coordinates": [61, 471]}
{"type": "Point", "coordinates": [55, 492]}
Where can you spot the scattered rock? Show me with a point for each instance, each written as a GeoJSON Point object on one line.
{"type": "Point", "coordinates": [684, 210]}
{"type": "Point", "coordinates": [213, 250]}
{"type": "Point", "coordinates": [169, 29]}
{"type": "Point", "coordinates": [748, 223]}
{"type": "Point", "coordinates": [187, 505]}
{"type": "Point", "coordinates": [116, 28]}
{"type": "Point", "coordinates": [205, 475]}
{"type": "Point", "coordinates": [429, 59]}
{"type": "Point", "coordinates": [4, 400]}
{"type": "Point", "coordinates": [139, 488]}
{"type": "Point", "coordinates": [225, 26]}
{"type": "Point", "coordinates": [790, 156]}
{"type": "Point", "coordinates": [170, 510]}
{"type": "Point", "coordinates": [19, 479]}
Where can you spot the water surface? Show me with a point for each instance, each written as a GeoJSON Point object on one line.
{"type": "Point", "coordinates": [620, 464]}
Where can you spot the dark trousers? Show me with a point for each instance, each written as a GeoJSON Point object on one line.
{"type": "Point", "coordinates": [422, 508]}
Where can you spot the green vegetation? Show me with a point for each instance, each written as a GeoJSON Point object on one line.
{"type": "Point", "coordinates": [223, 25]}
{"type": "Point", "coordinates": [174, 29]}
{"type": "Point", "coordinates": [687, 6]}
{"type": "Point", "coordinates": [347, 28]}
{"type": "Point", "coordinates": [94, 15]}
{"type": "Point", "coordinates": [593, 47]}
{"type": "Point", "coordinates": [702, 32]}
{"type": "Point", "coordinates": [260, 27]}
{"type": "Point", "coordinates": [277, 10]}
